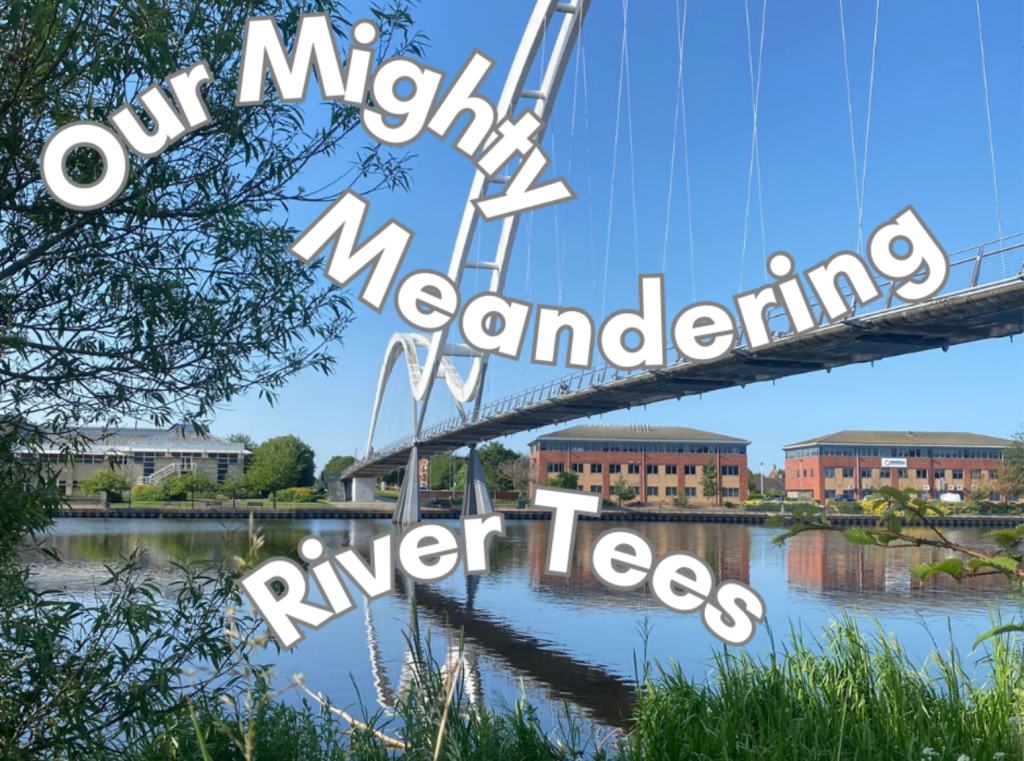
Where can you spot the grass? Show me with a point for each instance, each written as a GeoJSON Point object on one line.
{"type": "Point", "coordinates": [847, 696]}
{"type": "Point", "coordinates": [225, 503]}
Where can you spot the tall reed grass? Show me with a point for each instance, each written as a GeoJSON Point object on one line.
{"type": "Point", "coordinates": [842, 696]}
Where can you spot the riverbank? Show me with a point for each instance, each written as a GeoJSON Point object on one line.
{"type": "Point", "coordinates": [846, 695]}
{"type": "Point", "coordinates": [380, 510]}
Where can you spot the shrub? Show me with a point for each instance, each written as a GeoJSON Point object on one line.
{"type": "Point", "coordinates": [104, 480]}
{"type": "Point", "coordinates": [297, 494]}
{"type": "Point", "coordinates": [148, 494]}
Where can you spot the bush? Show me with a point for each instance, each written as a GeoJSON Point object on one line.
{"type": "Point", "coordinates": [104, 480]}
{"type": "Point", "coordinates": [148, 494]}
{"type": "Point", "coordinates": [297, 494]}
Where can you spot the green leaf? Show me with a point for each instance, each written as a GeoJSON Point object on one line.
{"type": "Point", "coordinates": [998, 631]}
{"type": "Point", "coordinates": [952, 566]}
{"type": "Point", "coordinates": [775, 521]}
{"type": "Point", "coordinates": [857, 535]}
{"type": "Point", "coordinates": [896, 495]}
{"type": "Point", "coordinates": [1007, 538]}
{"type": "Point", "coordinates": [999, 562]}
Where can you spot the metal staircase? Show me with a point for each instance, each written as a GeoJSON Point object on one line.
{"type": "Point", "coordinates": [168, 470]}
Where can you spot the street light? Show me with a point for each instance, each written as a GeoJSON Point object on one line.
{"type": "Point", "coordinates": [761, 466]}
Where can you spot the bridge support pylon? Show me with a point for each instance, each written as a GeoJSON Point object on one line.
{"type": "Point", "coordinates": [363, 489]}
{"type": "Point", "coordinates": [407, 509]}
{"type": "Point", "coordinates": [475, 498]}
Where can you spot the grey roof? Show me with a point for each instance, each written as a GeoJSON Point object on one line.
{"type": "Point", "coordinates": [176, 438]}
{"type": "Point", "coordinates": [906, 438]}
{"type": "Point", "coordinates": [638, 432]}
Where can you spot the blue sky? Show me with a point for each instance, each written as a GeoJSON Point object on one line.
{"type": "Point", "coordinates": [928, 147]}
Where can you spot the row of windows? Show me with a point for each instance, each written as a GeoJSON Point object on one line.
{"type": "Point", "coordinates": [639, 446]}
{"type": "Point", "coordinates": [670, 491]}
{"type": "Point", "coordinates": [920, 473]}
{"type": "Point", "coordinates": [634, 468]}
{"type": "Point", "coordinates": [963, 454]}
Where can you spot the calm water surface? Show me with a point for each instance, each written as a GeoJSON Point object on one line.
{"type": "Point", "coordinates": [559, 639]}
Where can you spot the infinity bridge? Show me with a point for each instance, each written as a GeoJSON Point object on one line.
{"type": "Point", "coordinates": [983, 298]}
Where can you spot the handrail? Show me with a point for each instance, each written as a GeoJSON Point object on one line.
{"type": "Point", "coordinates": [579, 381]}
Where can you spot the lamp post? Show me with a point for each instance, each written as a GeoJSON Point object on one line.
{"type": "Point", "coordinates": [761, 468]}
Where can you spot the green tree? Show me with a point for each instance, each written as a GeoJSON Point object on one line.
{"type": "Point", "coordinates": [443, 472]}
{"type": "Point", "coordinates": [518, 473]}
{"type": "Point", "coordinates": [244, 439]}
{"type": "Point", "coordinates": [280, 463]}
{"type": "Point", "coordinates": [709, 478]}
{"type": "Point", "coordinates": [623, 491]}
{"type": "Point", "coordinates": [492, 456]}
{"type": "Point", "coordinates": [336, 465]}
{"type": "Point", "coordinates": [564, 481]}
{"type": "Point", "coordinates": [169, 302]}
{"type": "Point", "coordinates": [1010, 479]}
{"type": "Point", "coordinates": [106, 480]}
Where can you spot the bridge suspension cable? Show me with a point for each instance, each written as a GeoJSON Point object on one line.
{"type": "Point", "coordinates": [988, 119]}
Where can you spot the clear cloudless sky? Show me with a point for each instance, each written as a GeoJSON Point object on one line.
{"type": "Point", "coordinates": [928, 146]}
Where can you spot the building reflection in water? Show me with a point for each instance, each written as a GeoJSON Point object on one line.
{"type": "Point", "coordinates": [725, 547]}
{"type": "Point", "coordinates": [502, 643]}
{"type": "Point", "coordinates": [825, 562]}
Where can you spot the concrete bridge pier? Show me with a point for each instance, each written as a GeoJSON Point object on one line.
{"type": "Point", "coordinates": [361, 489]}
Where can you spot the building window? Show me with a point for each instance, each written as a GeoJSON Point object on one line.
{"type": "Point", "coordinates": [922, 473]}
{"type": "Point", "coordinates": [671, 491]}
{"type": "Point", "coordinates": [556, 467]}
{"type": "Point", "coordinates": [975, 474]}
{"type": "Point", "coordinates": [730, 492]}
{"type": "Point", "coordinates": [812, 472]}
{"type": "Point", "coordinates": [671, 470]}
{"type": "Point", "coordinates": [652, 470]}
{"type": "Point", "coordinates": [596, 490]}
{"type": "Point", "coordinates": [848, 493]}
{"type": "Point", "coordinates": [958, 474]}
{"type": "Point", "coordinates": [830, 472]}
{"type": "Point", "coordinates": [865, 472]}
{"type": "Point", "coordinates": [940, 473]}
{"type": "Point", "coordinates": [847, 472]}
{"type": "Point", "coordinates": [993, 496]}
{"type": "Point", "coordinates": [830, 493]}
{"type": "Point", "coordinates": [652, 491]}
{"type": "Point", "coordinates": [690, 491]}
{"type": "Point", "coordinates": [901, 473]}
{"type": "Point", "coordinates": [993, 474]}
{"type": "Point", "coordinates": [615, 468]}
{"type": "Point", "coordinates": [577, 467]}
{"type": "Point", "coordinates": [596, 467]}
{"type": "Point", "coordinates": [634, 469]}
{"type": "Point", "coordinates": [805, 474]}
{"type": "Point", "coordinates": [885, 473]}
{"type": "Point", "coordinates": [689, 470]}
{"type": "Point", "coordinates": [579, 487]}
{"type": "Point", "coordinates": [730, 470]}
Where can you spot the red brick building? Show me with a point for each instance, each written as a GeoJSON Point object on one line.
{"type": "Point", "coordinates": [855, 464]}
{"type": "Point", "coordinates": [661, 463]}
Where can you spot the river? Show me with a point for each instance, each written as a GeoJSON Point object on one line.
{"type": "Point", "coordinates": [559, 639]}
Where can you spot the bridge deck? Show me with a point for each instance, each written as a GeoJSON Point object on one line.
{"type": "Point", "coordinates": [990, 312]}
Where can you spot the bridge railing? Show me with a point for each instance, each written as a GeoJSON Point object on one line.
{"type": "Point", "coordinates": [980, 266]}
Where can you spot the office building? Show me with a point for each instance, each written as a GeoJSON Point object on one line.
{"type": "Point", "coordinates": [855, 464]}
{"type": "Point", "coordinates": [660, 463]}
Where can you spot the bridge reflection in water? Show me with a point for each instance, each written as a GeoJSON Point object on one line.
{"type": "Point", "coordinates": [567, 639]}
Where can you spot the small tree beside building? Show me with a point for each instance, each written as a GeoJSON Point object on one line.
{"type": "Point", "coordinates": [108, 481]}
{"type": "Point", "coordinates": [709, 478]}
{"type": "Point", "coordinates": [564, 481]}
{"type": "Point", "coordinates": [1010, 478]}
{"type": "Point", "coordinates": [623, 491]}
